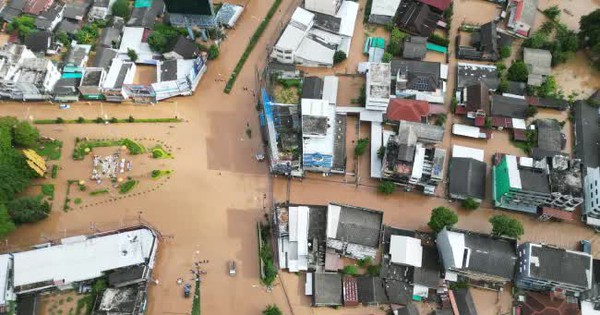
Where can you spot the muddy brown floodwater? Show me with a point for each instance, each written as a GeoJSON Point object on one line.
{"type": "Point", "coordinates": [209, 206]}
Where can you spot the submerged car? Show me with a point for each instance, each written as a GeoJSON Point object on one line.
{"type": "Point", "coordinates": [232, 268]}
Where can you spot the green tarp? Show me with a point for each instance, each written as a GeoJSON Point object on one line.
{"type": "Point", "coordinates": [437, 48]}
{"type": "Point", "coordinates": [71, 75]}
{"type": "Point", "coordinates": [142, 3]}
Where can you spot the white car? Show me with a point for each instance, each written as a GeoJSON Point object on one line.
{"type": "Point", "coordinates": [232, 269]}
{"type": "Point", "coordinates": [64, 106]}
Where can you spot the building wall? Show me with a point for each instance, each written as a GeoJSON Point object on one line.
{"type": "Point", "coordinates": [591, 190]}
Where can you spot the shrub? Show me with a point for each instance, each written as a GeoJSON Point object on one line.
{"type": "Point", "coordinates": [132, 54]}
{"type": "Point", "coordinates": [80, 120]}
{"type": "Point", "coordinates": [361, 146]}
{"type": "Point", "coordinates": [77, 201]}
{"type": "Point", "coordinates": [438, 40]}
{"type": "Point", "coordinates": [213, 52]}
{"type": "Point", "coordinates": [272, 310]}
{"type": "Point", "coordinates": [99, 192]}
{"type": "Point", "coordinates": [121, 8]}
{"type": "Point", "coordinates": [518, 71]}
{"type": "Point", "coordinates": [59, 120]}
{"type": "Point", "coordinates": [381, 152]}
{"type": "Point", "coordinates": [130, 119]}
{"type": "Point", "coordinates": [99, 120]}
{"type": "Point", "coordinates": [48, 190]}
{"type": "Point", "coordinates": [338, 57]}
{"type": "Point", "coordinates": [28, 209]}
{"type": "Point", "coordinates": [386, 187]}
{"type": "Point", "coordinates": [503, 225]}
{"type": "Point", "coordinates": [442, 217]}
{"type": "Point", "coordinates": [531, 111]}
{"type": "Point", "coordinates": [552, 12]}
{"type": "Point", "coordinates": [441, 119]}
{"type": "Point", "coordinates": [505, 52]}
{"type": "Point", "coordinates": [350, 270]}
{"type": "Point", "coordinates": [114, 120]}
{"type": "Point", "coordinates": [470, 204]}
{"type": "Point", "coordinates": [387, 57]}
{"type": "Point", "coordinates": [364, 262]}
{"type": "Point", "coordinates": [127, 186]}
{"type": "Point", "coordinates": [54, 172]}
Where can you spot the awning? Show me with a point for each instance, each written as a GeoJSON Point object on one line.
{"type": "Point", "coordinates": [558, 214]}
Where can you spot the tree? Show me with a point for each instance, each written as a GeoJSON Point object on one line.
{"type": "Point", "coordinates": [503, 225]}
{"type": "Point", "coordinates": [272, 310]}
{"type": "Point", "coordinates": [63, 38]}
{"type": "Point", "coordinates": [364, 262]}
{"type": "Point", "coordinates": [132, 54]}
{"type": "Point", "coordinates": [350, 270]}
{"type": "Point", "coordinates": [87, 34]}
{"type": "Point", "coordinates": [386, 187]}
{"type": "Point", "coordinates": [121, 8]}
{"type": "Point", "coordinates": [24, 25]}
{"type": "Point", "coordinates": [339, 56]}
{"type": "Point", "coordinates": [213, 52]}
{"type": "Point", "coordinates": [548, 87]}
{"type": "Point", "coordinates": [502, 86]}
{"type": "Point", "coordinates": [361, 146]}
{"type": "Point", "coordinates": [28, 209]}
{"type": "Point", "coordinates": [589, 34]}
{"type": "Point", "coordinates": [381, 152]}
{"type": "Point", "coordinates": [15, 175]}
{"type": "Point", "coordinates": [518, 71]}
{"type": "Point", "coordinates": [531, 111]}
{"type": "Point", "coordinates": [25, 134]}
{"type": "Point", "coordinates": [373, 270]}
{"type": "Point", "coordinates": [552, 12]}
{"type": "Point", "coordinates": [536, 40]}
{"type": "Point", "coordinates": [397, 37]}
{"type": "Point", "coordinates": [470, 204]}
{"type": "Point", "coordinates": [387, 57]}
{"type": "Point", "coordinates": [441, 119]}
{"type": "Point", "coordinates": [505, 52]}
{"type": "Point", "coordinates": [6, 224]}
{"type": "Point", "coordinates": [547, 27]}
{"type": "Point", "coordinates": [158, 41]}
{"type": "Point", "coordinates": [442, 217]}
{"type": "Point", "coordinates": [163, 37]}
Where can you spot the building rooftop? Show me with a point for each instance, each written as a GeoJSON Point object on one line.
{"type": "Point", "coordinates": [104, 57]}
{"type": "Point", "coordinates": [464, 301]}
{"type": "Point", "coordinates": [429, 274]}
{"type": "Point", "coordinates": [470, 74]}
{"type": "Point", "coordinates": [565, 176]}
{"type": "Point", "coordinates": [424, 132]}
{"type": "Point", "coordinates": [467, 177]}
{"type": "Point", "coordinates": [378, 85]}
{"type": "Point", "coordinates": [110, 37]}
{"type": "Point", "coordinates": [354, 225]}
{"type": "Point", "coordinates": [385, 7]}
{"type": "Point", "coordinates": [185, 48]}
{"type": "Point", "coordinates": [371, 290]}
{"type": "Point", "coordinates": [406, 250]}
{"type": "Point", "coordinates": [549, 138]}
{"type": "Point", "coordinates": [538, 61]}
{"type": "Point", "coordinates": [327, 289]}
{"type": "Point", "coordinates": [398, 292]}
{"type": "Point", "coordinates": [505, 106]}
{"type": "Point", "coordinates": [122, 301]}
{"type": "Point", "coordinates": [327, 22]}
{"type": "Point", "coordinates": [46, 18]}
{"type": "Point", "coordinates": [415, 47]}
{"type": "Point", "coordinates": [478, 97]}
{"type": "Point", "coordinates": [39, 41]}
{"type": "Point", "coordinates": [142, 17]}
{"type": "Point", "coordinates": [76, 11]}
{"type": "Point", "coordinates": [416, 18]}
{"type": "Point", "coordinates": [312, 88]}
{"type": "Point", "coordinates": [92, 76]}
{"type": "Point", "coordinates": [407, 109]}
{"type": "Point", "coordinates": [441, 5]}
{"type": "Point", "coordinates": [560, 265]}
{"type": "Point", "coordinates": [418, 75]}
{"type": "Point", "coordinates": [534, 180]}
{"type": "Point", "coordinates": [82, 258]}
{"type": "Point", "coordinates": [587, 134]}
{"type": "Point", "coordinates": [537, 303]}
{"type": "Point", "coordinates": [35, 7]}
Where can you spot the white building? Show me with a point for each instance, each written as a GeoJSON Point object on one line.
{"type": "Point", "coordinates": [383, 11]}
{"type": "Point", "coordinates": [318, 127]}
{"type": "Point", "coordinates": [178, 77]}
{"type": "Point", "coordinates": [289, 42]}
{"type": "Point", "coordinates": [378, 86]}
{"type": "Point", "coordinates": [293, 245]}
{"type": "Point", "coordinates": [133, 39]}
{"type": "Point", "coordinates": [329, 7]}
{"type": "Point", "coordinates": [405, 250]}
{"type": "Point", "coordinates": [100, 9]}
{"type": "Point", "coordinates": [591, 197]}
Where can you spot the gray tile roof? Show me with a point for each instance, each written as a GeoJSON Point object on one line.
{"type": "Point", "coordinates": [104, 57]}
{"type": "Point", "coordinates": [425, 133]}
{"type": "Point", "coordinates": [371, 290]}
{"type": "Point", "coordinates": [587, 134]}
{"type": "Point", "coordinates": [185, 48]}
{"type": "Point", "coordinates": [510, 107]}
{"type": "Point", "coordinates": [470, 75]}
{"type": "Point", "coordinates": [142, 17]}
{"type": "Point", "coordinates": [39, 41]}
{"type": "Point", "coordinates": [398, 292]}
{"type": "Point", "coordinates": [68, 27]}
{"type": "Point", "coordinates": [75, 11]}
{"type": "Point", "coordinates": [549, 137]}
{"type": "Point", "coordinates": [493, 256]}
{"type": "Point", "coordinates": [420, 75]}
{"type": "Point", "coordinates": [467, 178]}
{"type": "Point", "coordinates": [109, 35]}
{"type": "Point", "coordinates": [312, 88]}
{"type": "Point", "coordinates": [429, 274]}
{"type": "Point", "coordinates": [359, 226]}
{"type": "Point", "coordinates": [327, 289]}
{"type": "Point", "coordinates": [464, 302]}
{"type": "Point", "coordinates": [168, 70]}
{"type": "Point", "coordinates": [532, 180]}
{"type": "Point", "coordinates": [560, 265]}
{"type": "Point", "coordinates": [414, 48]}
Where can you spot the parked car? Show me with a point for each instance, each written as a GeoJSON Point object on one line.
{"type": "Point", "coordinates": [232, 268]}
{"type": "Point", "coordinates": [64, 106]}
{"type": "Point", "coordinates": [586, 246]}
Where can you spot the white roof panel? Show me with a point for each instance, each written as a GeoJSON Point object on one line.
{"type": "Point", "coordinates": [444, 71]}
{"type": "Point", "coordinates": [314, 107]}
{"type": "Point", "coordinates": [4, 274]}
{"type": "Point", "coordinates": [321, 145]}
{"type": "Point", "coordinates": [519, 123]}
{"type": "Point", "coordinates": [131, 39]}
{"type": "Point", "coordinates": [308, 286]}
{"type": "Point", "coordinates": [376, 142]}
{"type": "Point", "coordinates": [348, 12]}
{"type": "Point", "coordinates": [330, 89]}
{"type": "Point", "coordinates": [384, 7]}
{"type": "Point", "coordinates": [406, 250]}
{"type": "Point", "coordinates": [303, 16]}
{"type": "Point", "coordinates": [459, 151]}
{"type": "Point", "coordinates": [418, 162]}
{"type": "Point", "coordinates": [89, 259]}
{"type": "Point", "coordinates": [291, 38]}
{"type": "Point", "coordinates": [514, 176]}
{"type": "Point", "coordinates": [293, 223]}
{"type": "Point", "coordinates": [302, 231]}
{"type": "Point", "coordinates": [315, 52]}
{"type": "Point", "coordinates": [333, 218]}
{"type": "Point", "coordinates": [466, 131]}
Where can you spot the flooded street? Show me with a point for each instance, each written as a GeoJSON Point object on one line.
{"type": "Point", "coordinates": [209, 206]}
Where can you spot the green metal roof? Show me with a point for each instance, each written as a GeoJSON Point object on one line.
{"type": "Point", "coordinates": [378, 42]}
{"type": "Point", "coordinates": [71, 75]}
{"type": "Point", "coordinates": [501, 181]}
{"type": "Point", "coordinates": [437, 48]}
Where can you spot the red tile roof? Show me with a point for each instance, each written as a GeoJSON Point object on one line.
{"type": "Point", "coordinates": [480, 121]}
{"type": "Point", "coordinates": [519, 135]}
{"type": "Point", "coordinates": [350, 289]}
{"type": "Point", "coordinates": [439, 4]}
{"type": "Point", "coordinates": [409, 110]}
{"type": "Point", "coordinates": [36, 7]}
{"type": "Point", "coordinates": [543, 304]}
{"type": "Point", "coordinates": [461, 110]}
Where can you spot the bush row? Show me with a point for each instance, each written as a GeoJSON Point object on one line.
{"type": "Point", "coordinates": [100, 120]}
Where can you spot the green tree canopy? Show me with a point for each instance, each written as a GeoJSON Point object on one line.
{"type": "Point", "coordinates": [121, 8]}
{"type": "Point", "coordinates": [589, 34]}
{"type": "Point", "coordinates": [470, 204]}
{"type": "Point", "coordinates": [552, 12]}
{"type": "Point", "coordinates": [361, 146]}
{"type": "Point", "coordinates": [28, 209]}
{"type": "Point", "coordinates": [272, 310]}
{"type": "Point", "coordinates": [25, 134]}
{"type": "Point", "coordinates": [213, 52]}
{"type": "Point", "coordinates": [350, 270]}
{"type": "Point", "coordinates": [163, 37]}
{"type": "Point", "coordinates": [339, 56]}
{"type": "Point", "coordinates": [132, 55]}
{"type": "Point", "coordinates": [15, 175]}
{"type": "Point", "coordinates": [386, 187]}
{"type": "Point", "coordinates": [6, 224]}
{"type": "Point", "coordinates": [24, 25]}
{"type": "Point", "coordinates": [518, 71]}
{"type": "Point", "coordinates": [503, 225]}
{"type": "Point", "coordinates": [442, 217]}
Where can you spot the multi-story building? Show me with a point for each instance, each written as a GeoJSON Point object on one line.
{"type": "Point", "coordinates": [525, 185]}
{"type": "Point", "coordinates": [378, 86]}
{"type": "Point", "coordinates": [545, 268]}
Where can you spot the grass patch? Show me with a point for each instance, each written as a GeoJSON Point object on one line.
{"type": "Point", "coordinates": [159, 153]}
{"type": "Point", "coordinates": [84, 147]}
{"type": "Point", "coordinates": [77, 201]}
{"type": "Point", "coordinates": [253, 41]}
{"type": "Point", "coordinates": [66, 205]}
{"type": "Point", "coordinates": [98, 192]}
{"type": "Point", "coordinates": [127, 186]}
{"type": "Point", "coordinates": [112, 121]}
{"type": "Point", "coordinates": [156, 174]}
{"type": "Point", "coordinates": [522, 145]}
{"type": "Point", "coordinates": [196, 300]}
{"type": "Point", "coordinates": [51, 149]}
{"type": "Point", "coordinates": [85, 305]}
{"type": "Point", "coordinates": [48, 190]}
